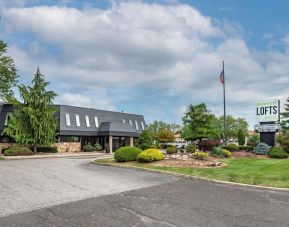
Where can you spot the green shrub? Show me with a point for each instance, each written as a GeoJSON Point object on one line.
{"type": "Point", "coordinates": [17, 151]}
{"type": "Point", "coordinates": [150, 155]}
{"type": "Point", "coordinates": [253, 140]}
{"type": "Point", "coordinates": [127, 154]}
{"type": "Point", "coordinates": [172, 150]}
{"type": "Point", "coordinates": [277, 152]}
{"type": "Point", "coordinates": [47, 149]}
{"type": "Point", "coordinates": [218, 151]}
{"type": "Point", "coordinates": [145, 140]}
{"type": "Point", "coordinates": [208, 145]}
{"type": "Point", "coordinates": [226, 153]}
{"type": "Point", "coordinates": [246, 148]}
{"type": "Point", "coordinates": [98, 147]}
{"type": "Point", "coordinates": [231, 147]}
{"type": "Point", "coordinates": [283, 140]}
{"type": "Point", "coordinates": [191, 148]}
{"type": "Point", "coordinates": [262, 148]}
{"type": "Point", "coordinates": [88, 148]}
{"type": "Point", "coordinates": [200, 155]}
{"type": "Point", "coordinates": [1, 158]}
{"type": "Point", "coordinates": [241, 137]}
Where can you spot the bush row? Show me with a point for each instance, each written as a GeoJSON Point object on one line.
{"type": "Point", "coordinates": [90, 148]}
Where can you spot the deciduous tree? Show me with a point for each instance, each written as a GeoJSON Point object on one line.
{"type": "Point", "coordinates": [8, 74]}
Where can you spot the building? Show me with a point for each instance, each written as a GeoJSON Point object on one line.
{"type": "Point", "coordinates": [89, 126]}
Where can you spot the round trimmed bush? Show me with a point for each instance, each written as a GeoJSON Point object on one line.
{"type": "Point", "coordinates": [17, 151]}
{"type": "Point", "coordinates": [262, 148]}
{"type": "Point", "coordinates": [231, 147]}
{"type": "Point", "coordinates": [191, 148]}
{"type": "Point", "coordinates": [200, 155]}
{"type": "Point", "coordinates": [277, 152]}
{"type": "Point", "coordinates": [127, 154]}
{"type": "Point", "coordinates": [88, 148]}
{"type": "Point", "coordinates": [172, 150]}
{"type": "Point", "coordinates": [218, 151]}
{"type": "Point", "coordinates": [150, 155]}
{"type": "Point", "coordinates": [98, 147]}
{"type": "Point", "coordinates": [226, 153]}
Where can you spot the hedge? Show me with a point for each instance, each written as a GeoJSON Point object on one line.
{"type": "Point", "coordinates": [126, 154]}
{"type": "Point", "coordinates": [246, 148]}
{"type": "Point", "coordinates": [47, 149]}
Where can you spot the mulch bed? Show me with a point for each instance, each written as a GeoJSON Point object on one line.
{"type": "Point", "coordinates": [245, 154]}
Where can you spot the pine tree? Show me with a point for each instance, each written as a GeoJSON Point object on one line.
{"type": "Point", "coordinates": [285, 117]}
{"type": "Point", "coordinates": [33, 121]}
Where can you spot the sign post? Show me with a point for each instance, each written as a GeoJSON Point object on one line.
{"type": "Point", "coordinates": [268, 115]}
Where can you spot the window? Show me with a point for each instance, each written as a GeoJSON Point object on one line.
{"type": "Point", "coordinates": [130, 122]}
{"type": "Point", "coordinates": [87, 121]}
{"type": "Point", "coordinates": [96, 122]}
{"type": "Point", "coordinates": [136, 125]}
{"type": "Point", "coordinates": [67, 118]}
{"type": "Point", "coordinates": [7, 118]}
{"type": "Point", "coordinates": [142, 125]}
{"type": "Point", "coordinates": [77, 120]}
{"type": "Point", "coordinates": [123, 121]}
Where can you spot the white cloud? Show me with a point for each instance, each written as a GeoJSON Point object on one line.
{"type": "Point", "coordinates": [173, 49]}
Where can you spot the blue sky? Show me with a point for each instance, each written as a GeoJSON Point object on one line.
{"type": "Point", "coordinates": [152, 57]}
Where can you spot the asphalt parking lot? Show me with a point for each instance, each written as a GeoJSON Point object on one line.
{"type": "Point", "coordinates": [74, 192]}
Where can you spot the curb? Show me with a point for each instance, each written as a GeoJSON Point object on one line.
{"type": "Point", "coordinates": [55, 156]}
{"type": "Point", "coordinates": [195, 177]}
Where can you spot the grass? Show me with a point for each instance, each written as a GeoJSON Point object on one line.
{"type": "Point", "coordinates": [1, 158]}
{"type": "Point", "coordinates": [254, 171]}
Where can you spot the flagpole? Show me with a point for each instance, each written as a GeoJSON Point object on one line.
{"type": "Point", "coordinates": [224, 94]}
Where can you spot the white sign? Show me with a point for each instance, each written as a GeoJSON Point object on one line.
{"type": "Point", "coordinates": [268, 111]}
{"type": "Point", "coordinates": [267, 128]}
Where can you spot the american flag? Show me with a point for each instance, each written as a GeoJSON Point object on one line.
{"type": "Point", "coordinates": [222, 78]}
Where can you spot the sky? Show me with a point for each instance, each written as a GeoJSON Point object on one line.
{"type": "Point", "coordinates": [152, 57]}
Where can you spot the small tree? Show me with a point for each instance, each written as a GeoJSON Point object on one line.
{"type": "Point", "coordinates": [285, 117]}
{"type": "Point", "coordinates": [145, 140]}
{"type": "Point", "coordinates": [8, 75]}
{"type": "Point", "coordinates": [241, 137]}
{"type": "Point", "coordinates": [34, 121]}
{"type": "Point", "coordinates": [165, 136]}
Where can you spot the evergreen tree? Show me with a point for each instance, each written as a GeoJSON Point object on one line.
{"type": "Point", "coordinates": [34, 121]}
{"type": "Point", "coordinates": [8, 75]}
{"type": "Point", "coordinates": [145, 140]}
{"type": "Point", "coordinates": [241, 137]}
{"type": "Point", "coordinates": [285, 117]}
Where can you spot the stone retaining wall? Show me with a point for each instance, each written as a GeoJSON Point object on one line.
{"type": "Point", "coordinates": [5, 145]}
{"type": "Point", "coordinates": [62, 147]}
{"type": "Point", "coordinates": [68, 147]}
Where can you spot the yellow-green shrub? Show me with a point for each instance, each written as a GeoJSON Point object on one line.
{"type": "Point", "coordinates": [150, 155]}
{"type": "Point", "coordinates": [200, 155]}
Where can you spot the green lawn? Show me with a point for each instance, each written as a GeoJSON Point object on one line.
{"type": "Point", "coordinates": [266, 172]}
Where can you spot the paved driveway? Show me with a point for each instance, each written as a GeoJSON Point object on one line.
{"type": "Point", "coordinates": [30, 184]}
{"type": "Point", "coordinates": [92, 195]}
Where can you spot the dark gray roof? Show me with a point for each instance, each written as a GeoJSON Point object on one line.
{"type": "Point", "coordinates": [109, 122]}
